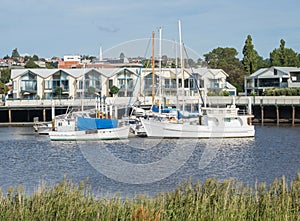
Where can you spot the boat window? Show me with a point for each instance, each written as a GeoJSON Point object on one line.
{"type": "Point", "coordinates": [227, 119]}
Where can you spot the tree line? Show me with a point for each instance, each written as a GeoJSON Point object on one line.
{"type": "Point", "coordinates": [225, 58]}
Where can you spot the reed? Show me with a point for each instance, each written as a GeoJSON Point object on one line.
{"type": "Point", "coordinates": [211, 200]}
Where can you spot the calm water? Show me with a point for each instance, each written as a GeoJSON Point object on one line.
{"type": "Point", "coordinates": [147, 166]}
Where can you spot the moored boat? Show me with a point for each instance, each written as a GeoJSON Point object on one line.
{"type": "Point", "coordinates": [212, 123]}
{"type": "Point", "coordinates": [85, 129]}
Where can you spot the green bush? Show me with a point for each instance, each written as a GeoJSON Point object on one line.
{"type": "Point", "coordinates": [282, 92]}
{"type": "Point", "coordinates": [226, 93]}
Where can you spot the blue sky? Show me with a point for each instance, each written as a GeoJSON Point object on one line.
{"type": "Point", "coordinates": [60, 27]}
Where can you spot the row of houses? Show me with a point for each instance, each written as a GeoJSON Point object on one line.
{"type": "Point", "coordinates": [87, 82]}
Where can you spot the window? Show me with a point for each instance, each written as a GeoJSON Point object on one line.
{"type": "Point", "coordinates": [167, 83]}
{"type": "Point", "coordinates": [110, 83]}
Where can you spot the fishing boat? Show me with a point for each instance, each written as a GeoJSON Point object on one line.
{"type": "Point", "coordinates": [94, 124]}
{"type": "Point", "coordinates": [43, 128]}
{"type": "Point", "coordinates": [88, 129]}
{"type": "Point", "coordinates": [209, 122]}
{"type": "Point", "coordinates": [212, 122]}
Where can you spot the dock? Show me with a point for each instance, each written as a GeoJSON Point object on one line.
{"type": "Point", "coordinates": [278, 110]}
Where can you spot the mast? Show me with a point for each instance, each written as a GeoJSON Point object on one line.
{"type": "Point", "coordinates": [182, 63]}
{"type": "Point", "coordinates": [160, 72]}
{"type": "Point", "coordinates": [153, 63]}
{"type": "Point", "coordinates": [177, 80]}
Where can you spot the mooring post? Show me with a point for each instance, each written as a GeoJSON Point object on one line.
{"type": "Point", "coordinates": [262, 115]}
{"type": "Point", "coordinates": [277, 115]}
{"type": "Point", "coordinates": [293, 116]}
{"type": "Point", "coordinates": [262, 111]}
{"type": "Point", "coordinates": [44, 115]}
{"type": "Point", "coordinates": [9, 115]}
{"type": "Point", "coordinates": [53, 114]}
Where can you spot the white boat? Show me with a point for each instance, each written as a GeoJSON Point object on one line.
{"type": "Point", "coordinates": [43, 128]}
{"type": "Point", "coordinates": [89, 129]}
{"type": "Point", "coordinates": [212, 123]}
{"type": "Point", "coordinates": [207, 123]}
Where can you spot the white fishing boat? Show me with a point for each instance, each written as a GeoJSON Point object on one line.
{"type": "Point", "coordinates": [43, 128]}
{"type": "Point", "coordinates": [88, 129]}
{"type": "Point", "coordinates": [212, 123]}
{"type": "Point", "coordinates": [208, 122]}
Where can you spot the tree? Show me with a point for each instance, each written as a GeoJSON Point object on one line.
{"type": "Point", "coordinates": [15, 54]}
{"type": "Point", "coordinates": [284, 57]}
{"type": "Point", "coordinates": [35, 58]}
{"type": "Point", "coordinates": [58, 92]}
{"type": "Point", "coordinates": [91, 90]}
{"type": "Point", "coordinates": [31, 64]}
{"type": "Point", "coordinates": [113, 90]}
{"type": "Point", "coordinates": [250, 60]}
{"type": "Point", "coordinates": [5, 75]}
{"type": "Point", "coordinates": [225, 59]}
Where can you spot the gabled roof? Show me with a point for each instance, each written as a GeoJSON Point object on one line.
{"type": "Point", "coordinates": [229, 86]}
{"type": "Point", "coordinates": [269, 72]}
{"type": "Point", "coordinates": [110, 72]}
{"type": "Point", "coordinates": [213, 72]}
{"type": "Point", "coordinates": [44, 73]}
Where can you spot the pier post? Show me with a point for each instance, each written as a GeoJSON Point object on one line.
{"type": "Point", "coordinates": [261, 111]}
{"type": "Point", "coordinates": [277, 115]}
{"type": "Point", "coordinates": [262, 115]}
{"type": "Point", "coordinates": [44, 115]}
{"type": "Point", "coordinates": [293, 116]}
{"type": "Point", "coordinates": [53, 114]}
{"type": "Point", "coordinates": [9, 115]}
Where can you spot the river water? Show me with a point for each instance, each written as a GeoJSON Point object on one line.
{"type": "Point", "coordinates": [146, 166]}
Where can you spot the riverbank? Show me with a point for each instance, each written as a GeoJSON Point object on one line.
{"type": "Point", "coordinates": [211, 200]}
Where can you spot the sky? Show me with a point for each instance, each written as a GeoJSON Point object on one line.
{"type": "Point", "coordinates": [51, 28]}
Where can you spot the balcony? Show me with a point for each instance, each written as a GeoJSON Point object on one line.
{"type": "Point", "coordinates": [32, 88]}
{"type": "Point", "coordinates": [124, 87]}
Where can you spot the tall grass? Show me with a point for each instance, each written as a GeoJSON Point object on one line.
{"type": "Point", "coordinates": [211, 200]}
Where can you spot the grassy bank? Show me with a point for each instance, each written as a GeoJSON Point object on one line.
{"type": "Point", "coordinates": [211, 200]}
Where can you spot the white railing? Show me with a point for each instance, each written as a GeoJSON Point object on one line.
{"type": "Point", "coordinates": [171, 100]}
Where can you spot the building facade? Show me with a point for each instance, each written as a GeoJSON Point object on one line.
{"type": "Point", "coordinates": [273, 77]}
{"type": "Point", "coordinates": [89, 82]}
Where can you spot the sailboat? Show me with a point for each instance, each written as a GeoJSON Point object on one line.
{"type": "Point", "coordinates": [209, 122]}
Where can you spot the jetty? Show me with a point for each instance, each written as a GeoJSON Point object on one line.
{"type": "Point", "coordinates": [278, 110]}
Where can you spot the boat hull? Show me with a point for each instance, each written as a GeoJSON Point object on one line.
{"type": "Point", "coordinates": [155, 128]}
{"type": "Point", "coordinates": [90, 135]}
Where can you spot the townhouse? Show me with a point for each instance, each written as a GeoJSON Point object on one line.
{"type": "Point", "coordinates": [131, 81]}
